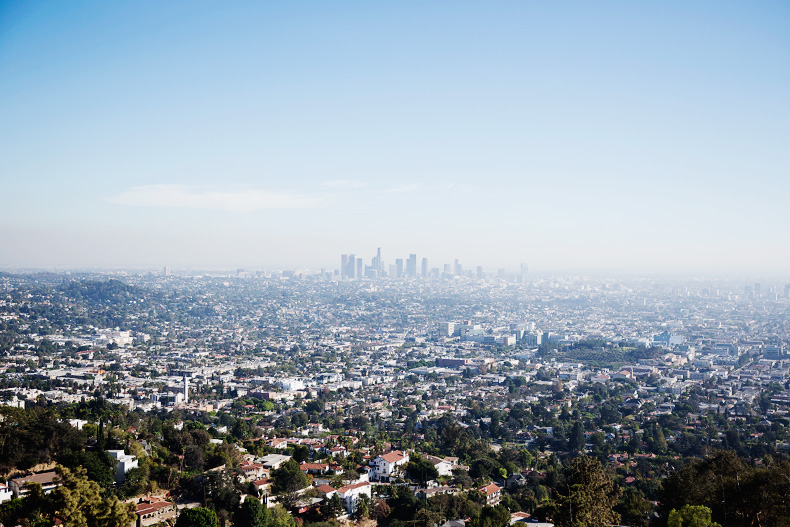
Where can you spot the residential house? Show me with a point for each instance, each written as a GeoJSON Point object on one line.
{"type": "Point", "coordinates": [384, 467]}
{"type": "Point", "coordinates": [152, 508]}
{"type": "Point", "coordinates": [274, 461]}
{"type": "Point", "coordinates": [123, 464]}
{"type": "Point", "coordinates": [262, 486]}
{"type": "Point", "coordinates": [444, 466]}
{"type": "Point", "coordinates": [253, 471]}
{"type": "Point", "coordinates": [5, 493]}
{"type": "Point", "coordinates": [350, 494]}
{"type": "Point", "coordinates": [47, 480]}
{"type": "Point", "coordinates": [314, 468]}
{"type": "Point", "coordinates": [492, 493]}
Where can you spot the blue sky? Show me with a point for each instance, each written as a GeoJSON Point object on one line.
{"type": "Point", "coordinates": [616, 136]}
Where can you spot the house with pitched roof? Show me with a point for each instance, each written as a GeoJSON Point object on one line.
{"type": "Point", "coordinates": [385, 466]}
{"type": "Point", "coordinates": [351, 495]}
{"type": "Point", "coordinates": [492, 493]}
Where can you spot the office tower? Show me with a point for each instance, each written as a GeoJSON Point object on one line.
{"type": "Point", "coordinates": [787, 290]}
{"type": "Point", "coordinates": [447, 329]}
{"type": "Point", "coordinates": [167, 271]}
{"type": "Point", "coordinates": [447, 269]}
{"type": "Point", "coordinates": [757, 288]}
{"type": "Point", "coordinates": [378, 265]}
{"type": "Point", "coordinates": [359, 268]}
{"type": "Point", "coordinates": [425, 267]}
{"type": "Point", "coordinates": [524, 270]}
{"type": "Point", "coordinates": [351, 266]}
{"type": "Point", "coordinates": [411, 266]}
{"type": "Point", "coordinates": [479, 272]}
{"type": "Point", "coordinates": [399, 266]}
{"type": "Point", "coordinates": [343, 265]}
{"type": "Point", "coordinates": [458, 269]}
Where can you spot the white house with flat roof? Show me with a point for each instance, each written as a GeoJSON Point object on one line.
{"type": "Point", "coordinates": [123, 464]}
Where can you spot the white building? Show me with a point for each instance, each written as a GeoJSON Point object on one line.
{"type": "Point", "coordinates": [274, 461]}
{"type": "Point", "coordinates": [77, 423]}
{"type": "Point", "coordinates": [5, 493]}
{"type": "Point", "coordinates": [443, 465]}
{"type": "Point", "coordinates": [123, 464]}
{"type": "Point", "coordinates": [350, 494]}
{"type": "Point", "coordinates": [292, 385]}
{"type": "Point", "coordinates": [384, 467]}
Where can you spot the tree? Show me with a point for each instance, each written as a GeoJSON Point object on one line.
{"type": "Point", "coordinates": [737, 494]}
{"type": "Point", "coordinates": [101, 439]}
{"type": "Point", "coordinates": [363, 508]}
{"type": "Point", "coordinates": [220, 492]}
{"type": "Point", "coordinates": [279, 517]}
{"type": "Point", "coordinates": [77, 502]}
{"type": "Point", "coordinates": [576, 441]}
{"type": "Point", "coordinates": [251, 513]}
{"type": "Point", "coordinates": [491, 517]}
{"type": "Point", "coordinates": [197, 517]}
{"type": "Point", "coordinates": [587, 497]}
{"type": "Point", "coordinates": [691, 516]}
{"type": "Point", "coordinates": [380, 510]}
{"type": "Point", "coordinates": [193, 457]}
{"type": "Point", "coordinates": [462, 478]}
{"type": "Point", "coordinates": [289, 478]}
{"type": "Point", "coordinates": [334, 505]}
{"type": "Point", "coordinates": [634, 509]}
{"type": "Point", "coordinates": [484, 468]}
{"type": "Point", "coordinates": [426, 518]}
{"type": "Point", "coordinates": [421, 470]}
{"type": "Point", "coordinates": [301, 453]}
{"type": "Point", "coordinates": [316, 407]}
{"type": "Point", "coordinates": [99, 465]}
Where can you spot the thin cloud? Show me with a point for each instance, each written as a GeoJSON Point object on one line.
{"type": "Point", "coordinates": [179, 196]}
{"type": "Point", "coordinates": [413, 187]}
{"type": "Point", "coordinates": [345, 184]}
{"type": "Point", "coordinates": [440, 188]}
{"type": "Point", "coordinates": [461, 188]}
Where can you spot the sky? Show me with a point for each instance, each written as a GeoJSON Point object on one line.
{"type": "Point", "coordinates": [621, 136]}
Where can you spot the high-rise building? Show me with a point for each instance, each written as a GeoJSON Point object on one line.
{"type": "Point", "coordinates": [479, 272]}
{"type": "Point", "coordinates": [458, 269]}
{"type": "Point", "coordinates": [425, 267]}
{"type": "Point", "coordinates": [524, 269]}
{"type": "Point", "coordinates": [343, 265]}
{"type": "Point", "coordinates": [352, 266]}
{"type": "Point", "coordinates": [359, 268]}
{"type": "Point", "coordinates": [411, 266]}
{"type": "Point", "coordinates": [399, 267]}
{"type": "Point", "coordinates": [378, 265]}
{"type": "Point", "coordinates": [166, 271]}
{"type": "Point", "coordinates": [447, 329]}
{"type": "Point", "coordinates": [787, 290]}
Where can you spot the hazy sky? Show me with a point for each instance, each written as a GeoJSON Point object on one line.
{"type": "Point", "coordinates": [570, 135]}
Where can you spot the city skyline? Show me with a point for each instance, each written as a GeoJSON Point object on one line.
{"type": "Point", "coordinates": [353, 266]}
{"type": "Point", "coordinates": [603, 138]}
